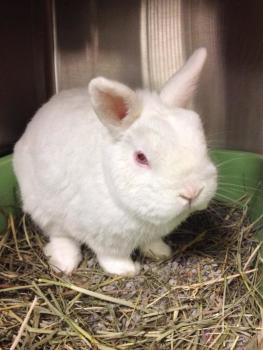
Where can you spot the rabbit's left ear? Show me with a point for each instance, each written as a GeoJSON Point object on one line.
{"type": "Point", "coordinates": [180, 88]}
{"type": "Point", "coordinates": [116, 105]}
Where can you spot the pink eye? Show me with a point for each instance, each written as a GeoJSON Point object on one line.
{"type": "Point", "coordinates": [141, 158]}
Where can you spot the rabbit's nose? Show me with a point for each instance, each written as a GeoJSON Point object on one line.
{"type": "Point", "coordinates": [190, 193]}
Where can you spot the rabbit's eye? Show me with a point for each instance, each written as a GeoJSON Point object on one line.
{"type": "Point", "coordinates": [141, 158]}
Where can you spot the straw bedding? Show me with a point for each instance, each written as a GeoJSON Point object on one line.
{"type": "Point", "coordinates": [205, 297]}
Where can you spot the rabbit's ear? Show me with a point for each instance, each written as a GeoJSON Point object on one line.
{"type": "Point", "coordinates": [180, 88]}
{"type": "Point", "coordinates": [115, 104]}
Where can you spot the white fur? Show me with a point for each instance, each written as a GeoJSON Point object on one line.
{"type": "Point", "coordinates": [119, 265]}
{"type": "Point", "coordinates": [64, 254]}
{"type": "Point", "coordinates": [157, 249]}
{"type": "Point", "coordinates": [79, 180]}
{"type": "Point", "coordinates": [181, 86]}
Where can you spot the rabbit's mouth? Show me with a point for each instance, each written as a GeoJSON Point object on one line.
{"type": "Point", "coordinates": [180, 210]}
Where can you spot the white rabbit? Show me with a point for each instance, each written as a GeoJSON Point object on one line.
{"type": "Point", "coordinates": [115, 169]}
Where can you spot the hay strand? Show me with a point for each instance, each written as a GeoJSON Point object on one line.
{"type": "Point", "coordinates": [207, 296]}
{"type": "Point", "coordinates": [23, 325]}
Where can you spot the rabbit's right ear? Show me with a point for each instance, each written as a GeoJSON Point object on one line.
{"type": "Point", "coordinates": [116, 105]}
{"type": "Point", "coordinates": [180, 88]}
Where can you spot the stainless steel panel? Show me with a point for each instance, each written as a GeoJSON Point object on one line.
{"type": "Point", "coordinates": [231, 93]}
{"type": "Point", "coordinates": [25, 65]}
{"type": "Point", "coordinates": [97, 38]}
{"type": "Point", "coordinates": [143, 42]}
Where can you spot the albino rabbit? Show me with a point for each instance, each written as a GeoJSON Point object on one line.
{"type": "Point", "coordinates": [115, 169]}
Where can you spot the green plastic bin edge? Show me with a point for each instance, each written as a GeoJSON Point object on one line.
{"type": "Point", "coordinates": [240, 173]}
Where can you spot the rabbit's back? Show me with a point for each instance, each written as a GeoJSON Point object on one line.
{"type": "Point", "coordinates": [61, 141]}
{"type": "Point", "coordinates": [59, 130]}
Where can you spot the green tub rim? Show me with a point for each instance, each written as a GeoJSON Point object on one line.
{"type": "Point", "coordinates": [241, 172]}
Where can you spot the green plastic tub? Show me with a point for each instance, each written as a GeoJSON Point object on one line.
{"type": "Point", "coordinates": [240, 173]}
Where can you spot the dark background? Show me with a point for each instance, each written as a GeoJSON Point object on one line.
{"type": "Point", "coordinates": [103, 37]}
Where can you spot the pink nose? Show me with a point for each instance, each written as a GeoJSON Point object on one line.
{"type": "Point", "coordinates": [190, 193]}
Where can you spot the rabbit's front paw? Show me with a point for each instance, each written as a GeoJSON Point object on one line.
{"type": "Point", "coordinates": [119, 266]}
{"type": "Point", "coordinates": [63, 253]}
{"type": "Point", "coordinates": [157, 249]}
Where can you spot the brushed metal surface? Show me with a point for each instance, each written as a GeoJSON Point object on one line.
{"type": "Point", "coordinates": [25, 65]}
{"type": "Point", "coordinates": [230, 97]}
{"type": "Point", "coordinates": [139, 42]}
{"type": "Point", "coordinates": [143, 42]}
{"type": "Point", "coordinates": [97, 38]}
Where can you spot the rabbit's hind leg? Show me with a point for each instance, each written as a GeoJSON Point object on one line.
{"type": "Point", "coordinates": [157, 249]}
{"type": "Point", "coordinates": [118, 265]}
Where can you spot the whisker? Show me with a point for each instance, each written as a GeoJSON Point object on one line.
{"type": "Point", "coordinates": [237, 186]}
{"type": "Point", "coordinates": [222, 132]}
{"type": "Point", "coordinates": [242, 181]}
{"type": "Point", "coordinates": [228, 161]}
{"type": "Point", "coordinates": [235, 191]}
{"type": "Point", "coordinates": [229, 199]}
{"type": "Point", "coordinates": [240, 177]}
{"type": "Point", "coordinates": [212, 209]}
{"type": "Point", "coordinates": [219, 137]}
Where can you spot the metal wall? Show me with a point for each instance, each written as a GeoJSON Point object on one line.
{"type": "Point", "coordinates": [141, 43]}
{"type": "Point", "coordinates": [25, 65]}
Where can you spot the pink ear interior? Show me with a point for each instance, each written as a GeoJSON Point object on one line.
{"type": "Point", "coordinates": [116, 105]}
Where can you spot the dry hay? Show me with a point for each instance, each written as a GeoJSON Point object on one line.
{"type": "Point", "coordinates": [206, 297]}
